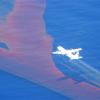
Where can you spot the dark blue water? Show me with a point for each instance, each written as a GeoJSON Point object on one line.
{"type": "Point", "coordinates": [75, 23]}
{"type": "Point", "coordinates": [3, 45]}
{"type": "Point", "coordinates": [6, 6]}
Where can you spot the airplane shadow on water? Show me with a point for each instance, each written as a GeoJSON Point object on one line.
{"type": "Point", "coordinates": [78, 70]}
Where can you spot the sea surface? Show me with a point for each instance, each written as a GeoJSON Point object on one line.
{"type": "Point", "coordinates": [75, 24]}
{"type": "Point", "coordinates": [71, 24]}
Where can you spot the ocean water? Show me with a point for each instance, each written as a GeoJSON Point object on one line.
{"type": "Point", "coordinates": [5, 8]}
{"type": "Point", "coordinates": [71, 24]}
{"type": "Point", "coordinates": [74, 24]}
{"type": "Point", "coordinates": [15, 88]}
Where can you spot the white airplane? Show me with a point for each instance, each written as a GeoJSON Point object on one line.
{"type": "Point", "coordinates": [72, 54]}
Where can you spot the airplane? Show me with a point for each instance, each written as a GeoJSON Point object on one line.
{"type": "Point", "coordinates": [72, 53]}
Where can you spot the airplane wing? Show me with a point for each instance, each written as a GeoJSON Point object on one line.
{"type": "Point", "coordinates": [56, 52]}
{"type": "Point", "coordinates": [76, 50]}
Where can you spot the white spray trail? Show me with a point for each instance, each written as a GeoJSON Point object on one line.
{"type": "Point", "coordinates": [90, 74]}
